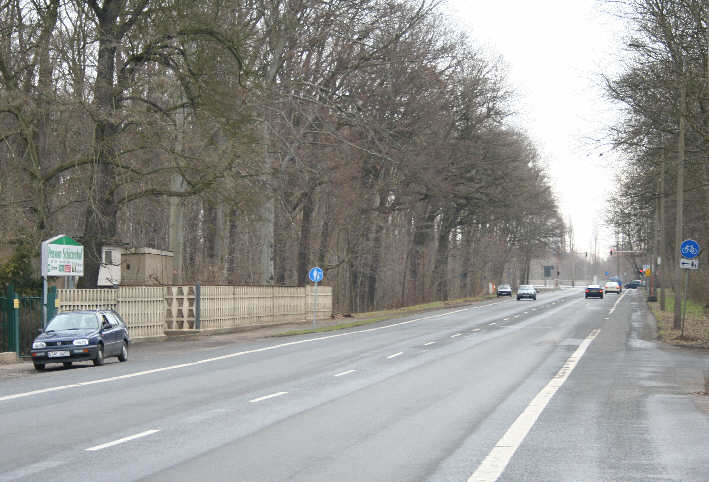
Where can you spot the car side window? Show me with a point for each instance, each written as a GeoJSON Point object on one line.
{"type": "Point", "coordinates": [105, 324]}
{"type": "Point", "coordinates": [112, 320]}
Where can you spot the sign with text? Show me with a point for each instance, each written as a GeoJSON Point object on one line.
{"type": "Point", "coordinates": [689, 263]}
{"type": "Point", "coordinates": [62, 256]}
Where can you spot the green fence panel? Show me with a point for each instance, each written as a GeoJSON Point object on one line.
{"type": "Point", "coordinates": [51, 303]}
{"type": "Point", "coordinates": [30, 322]}
{"type": "Point", "coordinates": [8, 327]}
{"type": "Point", "coordinates": [5, 322]}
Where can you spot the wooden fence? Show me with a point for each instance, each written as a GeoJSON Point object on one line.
{"type": "Point", "coordinates": [150, 311]}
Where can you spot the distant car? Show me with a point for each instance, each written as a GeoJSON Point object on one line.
{"type": "Point", "coordinates": [504, 290]}
{"type": "Point", "coordinates": [594, 291]}
{"type": "Point", "coordinates": [75, 336]}
{"type": "Point", "coordinates": [612, 287]}
{"type": "Point", "coordinates": [633, 284]}
{"type": "Point", "coordinates": [526, 291]}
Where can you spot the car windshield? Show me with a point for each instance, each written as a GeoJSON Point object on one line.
{"type": "Point", "coordinates": [73, 321]}
{"type": "Point", "coordinates": [526, 287]}
{"type": "Point", "coordinates": [504, 287]}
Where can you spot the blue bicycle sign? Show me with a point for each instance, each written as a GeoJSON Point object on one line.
{"type": "Point", "coordinates": [689, 249]}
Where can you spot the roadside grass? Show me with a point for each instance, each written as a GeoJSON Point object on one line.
{"type": "Point", "coordinates": [696, 329]}
{"type": "Point", "coordinates": [362, 319]}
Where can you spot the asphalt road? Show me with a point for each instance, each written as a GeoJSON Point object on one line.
{"type": "Point", "coordinates": [561, 388]}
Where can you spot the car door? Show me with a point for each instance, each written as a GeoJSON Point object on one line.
{"type": "Point", "coordinates": [111, 334]}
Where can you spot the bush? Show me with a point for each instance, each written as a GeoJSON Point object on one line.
{"type": "Point", "coordinates": [18, 272]}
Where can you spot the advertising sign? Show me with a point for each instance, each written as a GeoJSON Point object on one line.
{"type": "Point", "coordinates": [62, 256]}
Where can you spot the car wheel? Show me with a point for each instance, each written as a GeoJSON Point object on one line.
{"type": "Point", "coordinates": [98, 361]}
{"type": "Point", "coordinates": [124, 353]}
{"type": "Point", "coordinates": [67, 364]}
{"type": "Point", "coordinates": [601, 296]}
{"type": "Point", "coordinates": [39, 366]}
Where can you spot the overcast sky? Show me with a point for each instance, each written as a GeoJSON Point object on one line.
{"type": "Point", "coordinates": [555, 51]}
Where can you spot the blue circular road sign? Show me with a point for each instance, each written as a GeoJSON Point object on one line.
{"type": "Point", "coordinates": [689, 249]}
{"type": "Point", "coordinates": [315, 275]}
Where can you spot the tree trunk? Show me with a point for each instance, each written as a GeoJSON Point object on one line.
{"type": "Point", "coordinates": [304, 244]}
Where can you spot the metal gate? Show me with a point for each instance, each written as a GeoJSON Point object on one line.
{"type": "Point", "coordinates": [9, 323]}
{"type": "Point", "coordinates": [21, 319]}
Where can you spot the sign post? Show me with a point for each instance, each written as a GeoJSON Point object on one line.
{"type": "Point", "coordinates": [61, 256]}
{"type": "Point", "coordinates": [689, 250]}
{"type": "Point", "coordinates": [316, 275]}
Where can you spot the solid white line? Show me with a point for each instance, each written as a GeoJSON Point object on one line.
{"type": "Point", "coordinates": [345, 373]}
{"type": "Point", "coordinates": [429, 343]}
{"type": "Point", "coordinates": [395, 355]}
{"type": "Point", "coordinates": [456, 335]}
{"type": "Point", "coordinates": [218, 358]}
{"type": "Point", "coordinates": [273, 395]}
{"type": "Point", "coordinates": [494, 464]}
{"type": "Point", "coordinates": [122, 440]}
{"type": "Point", "coordinates": [617, 301]}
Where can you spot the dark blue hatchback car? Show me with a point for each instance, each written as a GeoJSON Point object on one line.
{"type": "Point", "coordinates": [79, 336]}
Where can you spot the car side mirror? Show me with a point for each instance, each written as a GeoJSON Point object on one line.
{"type": "Point", "coordinates": [106, 326]}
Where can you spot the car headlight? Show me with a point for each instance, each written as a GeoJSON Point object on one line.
{"type": "Point", "coordinates": [38, 344]}
{"type": "Point", "coordinates": [81, 341]}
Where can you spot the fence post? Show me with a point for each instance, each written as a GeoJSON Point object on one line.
{"type": "Point", "coordinates": [197, 307]}
{"type": "Point", "coordinates": [16, 323]}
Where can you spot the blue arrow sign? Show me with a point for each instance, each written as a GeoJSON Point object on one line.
{"type": "Point", "coordinates": [315, 275]}
{"type": "Point", "coordinates": [689, 249]}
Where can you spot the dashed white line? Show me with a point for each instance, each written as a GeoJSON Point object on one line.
{"type": "Point", "coordinates": [345, 373]}
{"type": "Point", "coordinates": [429, 343]}
{"type": "Point", "coordinates": [122, 440]}
{"type": "Point", "coordinates": [476, 329]}
{"type": "Point", "coordinates": [491, 324]}
{"type": "Point", "coordinates": [516, 316]}
{"type": "Point", "coordinates": [267, 397]}
{"type": "Point", "coordinates": [217, 358]}
{"type": "Point", "coordinates": [526, 312]}
{"type": "Point", "coordinates": [456, 335]}
{"type": "Point", "coordinates": [506, 319]}
{"type": "Point", "coordinates": [395, 355]}
{"type": "Point", "coordinates": [494, 464]}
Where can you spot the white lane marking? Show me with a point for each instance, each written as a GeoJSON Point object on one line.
{"type": "Point", "coordinates": [491, 324]}
{"type": "Point", "coordinates": [122, 440]}
{"type": "Point", "coordinates": [526, 312]}
{"type": "Point", "coordinates": [429, 343]}
{"type": "Point", "coordinates": [476, 329]}
{"type": "Point", "coordinates": [506, 319]}
{"type": "Point", "coordinates": [617, 301]}
{"type": "Point", "coordinates": [218, 358]}
{"type": "Point", "coordinates": [267, 397]}
{"type": "Point", "coordinates": [395, 355]}
{"type": "Point", "coordinates": [494, 464]}
{"type": "Point", "coordinates": [516, 316]}
{"type": "Point", "coordinates": [456, 335]}
{"type": "Point", "coordinates": [345, 373]}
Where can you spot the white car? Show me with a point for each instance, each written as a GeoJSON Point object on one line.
{"type": "Point", "coordinates": [612, 287]}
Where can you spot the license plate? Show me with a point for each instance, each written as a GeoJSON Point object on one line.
{"type": "Point", "coordinates": [57, 354]}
